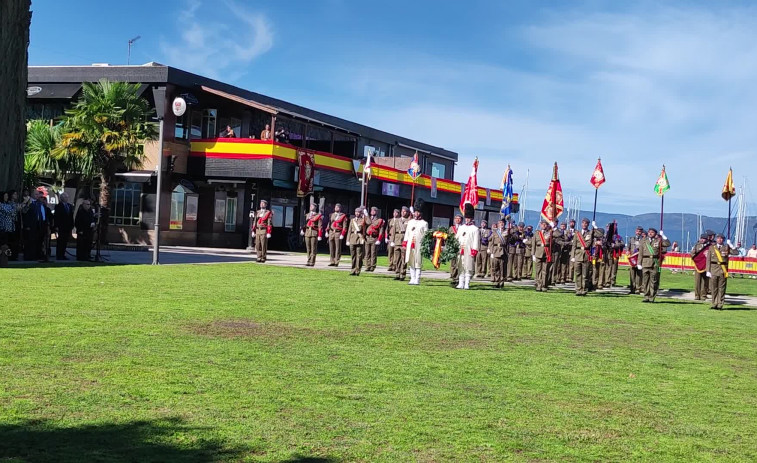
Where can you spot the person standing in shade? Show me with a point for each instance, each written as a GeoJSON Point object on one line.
{"type": "Point", "coordinates": [337, 231]}
{"type": "Point", "coordinates": [569, 240]}
{"type": "Point", "coordinates": [356, 239]}
{"type": "Point", "coordinates": [514, 240]}
{"type": "Point", "coordinates": [651, 251]}
{"type": "Point", "coordinates": [396, 242]}
{"type": "Point", "coordinates": [617, 250]}
{"type": "Point", "coordinates": [497, 251]}
{"type": "Point", "coordinates": [85, 231]}
{"type": "Point", "coordinates": [263, 227]}
{"type": "Point", "coordinates": [468, 235]}
{"type": "Point", "coordinates": [556, 250]}
{"type": "Point", "coordinates": [63, 225]}
{"type": "Point", "coordinates": [700, 278]}
{"type": "Point", "coordinates": [717, 269]}
{"type": "Point", "coordinates": [454, 273]}
{"type": "Point", "coordinates": [482, 258]}
{"type": "Point", "coordinates": [540, 255]}
{"type": "Point", "coordinates": [581, 257]}
{"type": "Point", "coordinates": [312, 231]}
{"type": "Point", "coordinates": [411, 243]}
{"type": "Point", "coordinates": [634, 274]}
{"type": "Point", "coordinates": [527, 271]}
{"type": "Point", "coordinates": [373, 237]}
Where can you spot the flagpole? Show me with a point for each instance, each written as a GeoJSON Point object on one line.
{"type": "Point", "coordinates": [362, 190]}
{"type": "Point", "coordinates": [594, 214]}
{"type": "Point", "coordinates": [412, 194]}
{"type": "Point", "coordinates": [728, 236]}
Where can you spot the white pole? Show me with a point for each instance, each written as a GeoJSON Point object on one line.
{"type": "Point", "coordinates": [156, 240]}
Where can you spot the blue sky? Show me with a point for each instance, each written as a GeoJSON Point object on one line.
{"type": "Point", "coordinates": [521, 82]}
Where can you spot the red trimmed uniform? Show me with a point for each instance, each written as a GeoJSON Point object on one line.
{"type": "Point", "coordinates": [313, 232]}
{"type": "Point", "coordinates": [263, 228]}
{"type": "Point", "coordinates": [337, 231]}
{"type": "Point", "coordinates": [373, 236]}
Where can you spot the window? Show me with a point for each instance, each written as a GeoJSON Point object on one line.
{"type": "Point", "coordinates": [209, 123]}
{"type": "Point", "coordinates": [230, 224]}
{"type": "Point", "coordinates": [437, 170]}
{"type": "Point", "coordinates": [233, 122]}
{"type": "Point", "coordinates": [181, 129]}
{"type": "Point", "coordinates": [220, 212]}
{"type": "Point", "coordinates": [278, 215]}
{"type": "Point", "coordinates": [196, 130]}
{"type": "Point", "coordinates": [319, 139]}
{"type": "Point", "coordinates": [177, 208]}
{"type": "Point", "coordinates": [124, 204]}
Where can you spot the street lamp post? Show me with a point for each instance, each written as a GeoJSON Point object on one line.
{"type": "Point", "coordinates": [159, 96]}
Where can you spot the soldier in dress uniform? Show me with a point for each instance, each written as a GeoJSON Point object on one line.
{"type": "Point", "coordinates": [717, 269]}
{"type": "Point", "coordinates": [491, 258]}
{"type": "Point", "coordinates": [454, 274]}
{"type": "Point", "coordinates": [540, 255]}
{"type": "Point", "coordinates": [634, 274]}
{"type": "Point", "coordinates": [416, 229]}
{"type": "Point", "coordinates": [356, 239]}
{"type": "Point", "coordinates": [373, 237]}
{"type": "Point", "coordinates": [498, 252]}
{"type": "Point", "coordinates": [396, 236]}
{"type": "Point", "coordinates": [556, 250]}
{"type": "Point", "coordinates": [263, 226]}
{"type": "Point", "coordinates": [616, 251]}
{"type": "Point", "coordinates": [651, 250]}
{"type": "Point", "coordinates": [388, 239]}
{"type": "Point", "coordinates": [313, 233]}
{"type": "Point", "coordinates": [482, 258]}
{"type": "Point", "coordinates": [598, 256]}
{"type": "Point", "coordinates": [468, 235]}
{"type": "Point", "coordinates": [711, 240]}
{"type": "Point", "coordinates": [520, 253]}
{"type": "Point", "coordinates": [581, 257]}
{"type": "Point", "coordinates": [527, 269]}
{"type": "Point", "coordinates": [513, 241]}
{"type": "Point", "coordinates": [700, 278]}
{"type": "Point", "coordinates": [569, 240]}
{"type": "Point", "coordinates": [337, 230]}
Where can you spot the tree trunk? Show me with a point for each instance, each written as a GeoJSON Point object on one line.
{"type": "Point", "coordinates": [104, 205]}
{"type": "Point", "coordinates": [15, 19]}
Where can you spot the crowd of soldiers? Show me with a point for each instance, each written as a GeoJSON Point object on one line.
{"type": "Point", "coordinates": [554, 254]}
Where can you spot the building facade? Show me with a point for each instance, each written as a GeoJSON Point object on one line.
{"type": "Point", "coordinates": [212, 182]}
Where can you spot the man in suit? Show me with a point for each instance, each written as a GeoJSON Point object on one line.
{"type": "Point", "coordinates": [356, 239]}
{"type": "Point", "coordinates": [651, 252]}
{"type": "Point", "coordinates": [85, 230]}
{"type": "Point", "coordinates": [717, 269]}
{"type": "Point", "coordinates": [540, 245]}
{"type": "Point", "coordinates": [63, 226]}
{"type": "Point", "coordinates": [312, 232]}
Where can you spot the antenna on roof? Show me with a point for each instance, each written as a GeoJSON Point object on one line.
{"type": "Point", "coordinates": [131, 41]}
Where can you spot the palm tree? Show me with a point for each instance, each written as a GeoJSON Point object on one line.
{"type": "Point", "coordinates": [105, 130]}
{"type": "Point", "coordinates": [42, 139]}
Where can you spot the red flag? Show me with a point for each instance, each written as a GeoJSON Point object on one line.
{"type": "Point", "coordinates": [598, 177]}
{"type": "Point", "coordinates": [552, 207]}
{"type": "Point", "coordinates": [470, 193]}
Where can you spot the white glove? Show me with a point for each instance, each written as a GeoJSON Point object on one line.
{"type": "Point", "coordinates": [708, 274]}
{"type": "Point", "coordinates": [387, 241]}
{"type": "Point", "coordinates": [341, 237]}
{"type": "Point", "coordinates": [639, 267]}
{"type": "Point", "coordinates": [412, 209]}
{"type": "Point", "coordinates": [302, 233]}
{"type": "Point", "coordinates": [348, 243]}
{"type": "Point", "coordinates": [594, 224]}
{"type": "Point", "coordinates": [728, 242]}
{"type": "Point", "coordinates": [391, 244]}
{"type": "Point", "coordinates": [533, 258]}
{"type": "Point", "coordinates": [319, 238]}
{"type": "Point", "coordinates": [267, 235]}
{"type": "Point", "coordinates": [572, 259]}
{"type": "Point", "coordinates": [662, 233]}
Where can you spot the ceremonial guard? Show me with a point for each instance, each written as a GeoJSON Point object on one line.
{"type": "Point", "coordinates": [556, 250]}
{"type": "Point", "coordinates": [569, 238]}
{"type": "Point", "coordinates": [528, 263]}
{"type": "Point", "coordinates": [520, 253]}
{"type": "Point", "coordinates": [634, 274]}
{"type": "Point", "coordinates": [389, 232]}
{"type": "Point", "coordinates": [498, 252]}
{"type": "Point", "coordinates": [616, 251]}
{"type": "Point", "coordinates": [356, 239]}
{"type": "Point", "coordinates": [396, 236]}
{"type": "Point", "coordinates": [513, 241]}
{"type": "Point", "coordinates": [416, 229]}
{"type": "Point", "coordinates": [540, 255]}
{"type": "Point", "coordinates": [491, 259]}
{"type": "Point", "coordinates": [337, 231]}
{"type": "Point", "coordinates": [453, 270]}
{"type": "Point", "coordinates": [597, 258]}
{"type": "Point", "coordinates": [313, 232]}
{"type": "Point", "coordinates": [717, 269]}
{"type": "Point", "coordinates": [651, 252]}
{"type": "Point", "coordinates": [700, 276]}
{"type": "Point", "coordinates": [374, 236]}
{"type": "Point", "coordinates": [468, 235]}
{"type": "Point", "coordinates": [263, 226]}
{"type": "Point", "coordinates": [482, 258]}
{"type": "Point", "coordinates": [581, 257]}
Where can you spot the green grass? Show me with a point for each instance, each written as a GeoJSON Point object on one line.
{"type": "Point", "coordinates": [247, 362]}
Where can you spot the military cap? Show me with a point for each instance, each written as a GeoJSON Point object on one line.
{"type": "Point", "coordinates": [710, 232]}
{"type": "Point", "coordinates": [720, 235]}
{"type": "Point", "coordinates": [652, 229]}
{"type": "Point", "coordinates": [396, 210]}
{"type": "Point", "coordinates": [374, 208]}
{"type": "Point", "coordinates": [585, 220]}
{"type": "Point", "coordinates": [405, 208]}
{"type": "Point", "coordinates": [521, 224]}
{"type": "Point", "coordinates": [459, 215]}
{"type": "Point", "coordinates": [264, 201]}
{"type": "Point", "coordinates": [337, 205]}
{"type": "Point", "coordinates": [640, 228]}
{"type": "Point", "coordinates": [703, 236]}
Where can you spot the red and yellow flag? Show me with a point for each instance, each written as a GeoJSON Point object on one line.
{"type": "Point", "coordinates": [598, 177]}
{"type": "Point", "coordinates": [552, 207]}
{"type": "Point", "coordinates": [729, 189]}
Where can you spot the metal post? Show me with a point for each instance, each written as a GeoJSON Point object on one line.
{"type": "Point", "coordinates": [156, 239]}
{"type": "Point", "coordinates": [251, 227]}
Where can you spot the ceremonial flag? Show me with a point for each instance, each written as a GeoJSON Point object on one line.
{"type": "Point", "coordinates": [598, 177]}
{"type": "Point", "coordinates": [415, 168]}
{"type": "Point", "coordinates": [470, 192]}
{"type": "Point", "coordinates": [729, 189]}
{"type": "Point", "coordinates": [367, 168]}
{"type": "Point", "coordinates": [662, 185]}
{"type": "Point", "coordinates": [507, 191]}
{"type": "Point", "coordinates": [552, 207]}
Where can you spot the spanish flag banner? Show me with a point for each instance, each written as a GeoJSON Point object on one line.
{"type": "Point", "coordinates": [729, 189]}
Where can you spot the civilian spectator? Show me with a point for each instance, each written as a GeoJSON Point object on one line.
{"type": "Point", "coordinates": [47, 227]}
{"type": "Point", "coordinates": [85, 230]}
{"type": "Point", "coordinates": [740, 249]}
{"type": "Point", "coordinates": [752, 252]}
{"type": "Point", "coordinates": [228, 132]}
{"type": "Point", "coordinates": [64, 225]}
{"type": "Point", "coordinates": [7, 219]}
{"type": "Point", "coordinates": [674, 247]}
{"type": "Point", "coordinates": [265, 134]}
{"type": "Point", "coordinates": [281, 136]}
{"type": "Point", "coordinates": [33, 216]}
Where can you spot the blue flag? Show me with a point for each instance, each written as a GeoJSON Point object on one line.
{"type": "Point", "coordinates": [507, 191]}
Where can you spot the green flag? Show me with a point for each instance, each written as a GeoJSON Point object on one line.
{"type": "Point", "coordinates": [662, 184]}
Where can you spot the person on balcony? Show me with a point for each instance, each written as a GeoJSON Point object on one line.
{"type": "Point", "coordinates": [228, 132]}
{"type": "Point", "coordinates": [266, 133]}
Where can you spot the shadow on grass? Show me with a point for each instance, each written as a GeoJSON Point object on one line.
{"type": "Point", "coordinates": [145, 441]}
{"type": "Point", "coordinates": [26, 265]}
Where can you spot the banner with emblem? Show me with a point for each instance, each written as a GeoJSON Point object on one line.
{"type": "Point", "coordinates": [552, 207]}
{"type": "Point", "coordinates": [306, 164]}
{"type": "Point", "coordinates": [598, 176]}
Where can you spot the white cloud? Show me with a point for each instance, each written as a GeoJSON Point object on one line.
{"type": "Point", "coordinates": [218, 46]}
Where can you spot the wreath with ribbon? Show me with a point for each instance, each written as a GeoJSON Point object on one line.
{"type": "Point", "coordinates": [440, 246]}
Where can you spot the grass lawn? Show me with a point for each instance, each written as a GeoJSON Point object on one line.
{"type": "Point", "coordinates": [248, 362]}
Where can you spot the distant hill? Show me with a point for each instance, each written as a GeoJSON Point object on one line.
{"type": "Point", "coordinates": [673, 227]}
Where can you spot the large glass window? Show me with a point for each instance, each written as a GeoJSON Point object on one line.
{"type": "Point", "coordinates": [344, 145]}
{"type": "Point", "coordinates": [209, 123]}
{"type": "Point", "coordinates": [230, 224]}
{"type": "Point", "coordinates": [196, 130]}
{"type": "Point", "coordinates": [178, 197]}
{"type": "Point", "coordinates": [437, 170]}
{"type": "Point", "coordinates": [124, 204]}
{"type": "Point", "coordinates": [233, 122]}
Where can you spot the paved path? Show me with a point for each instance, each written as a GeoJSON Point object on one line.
{"type": "Point", "coordinates": [173, 255]}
